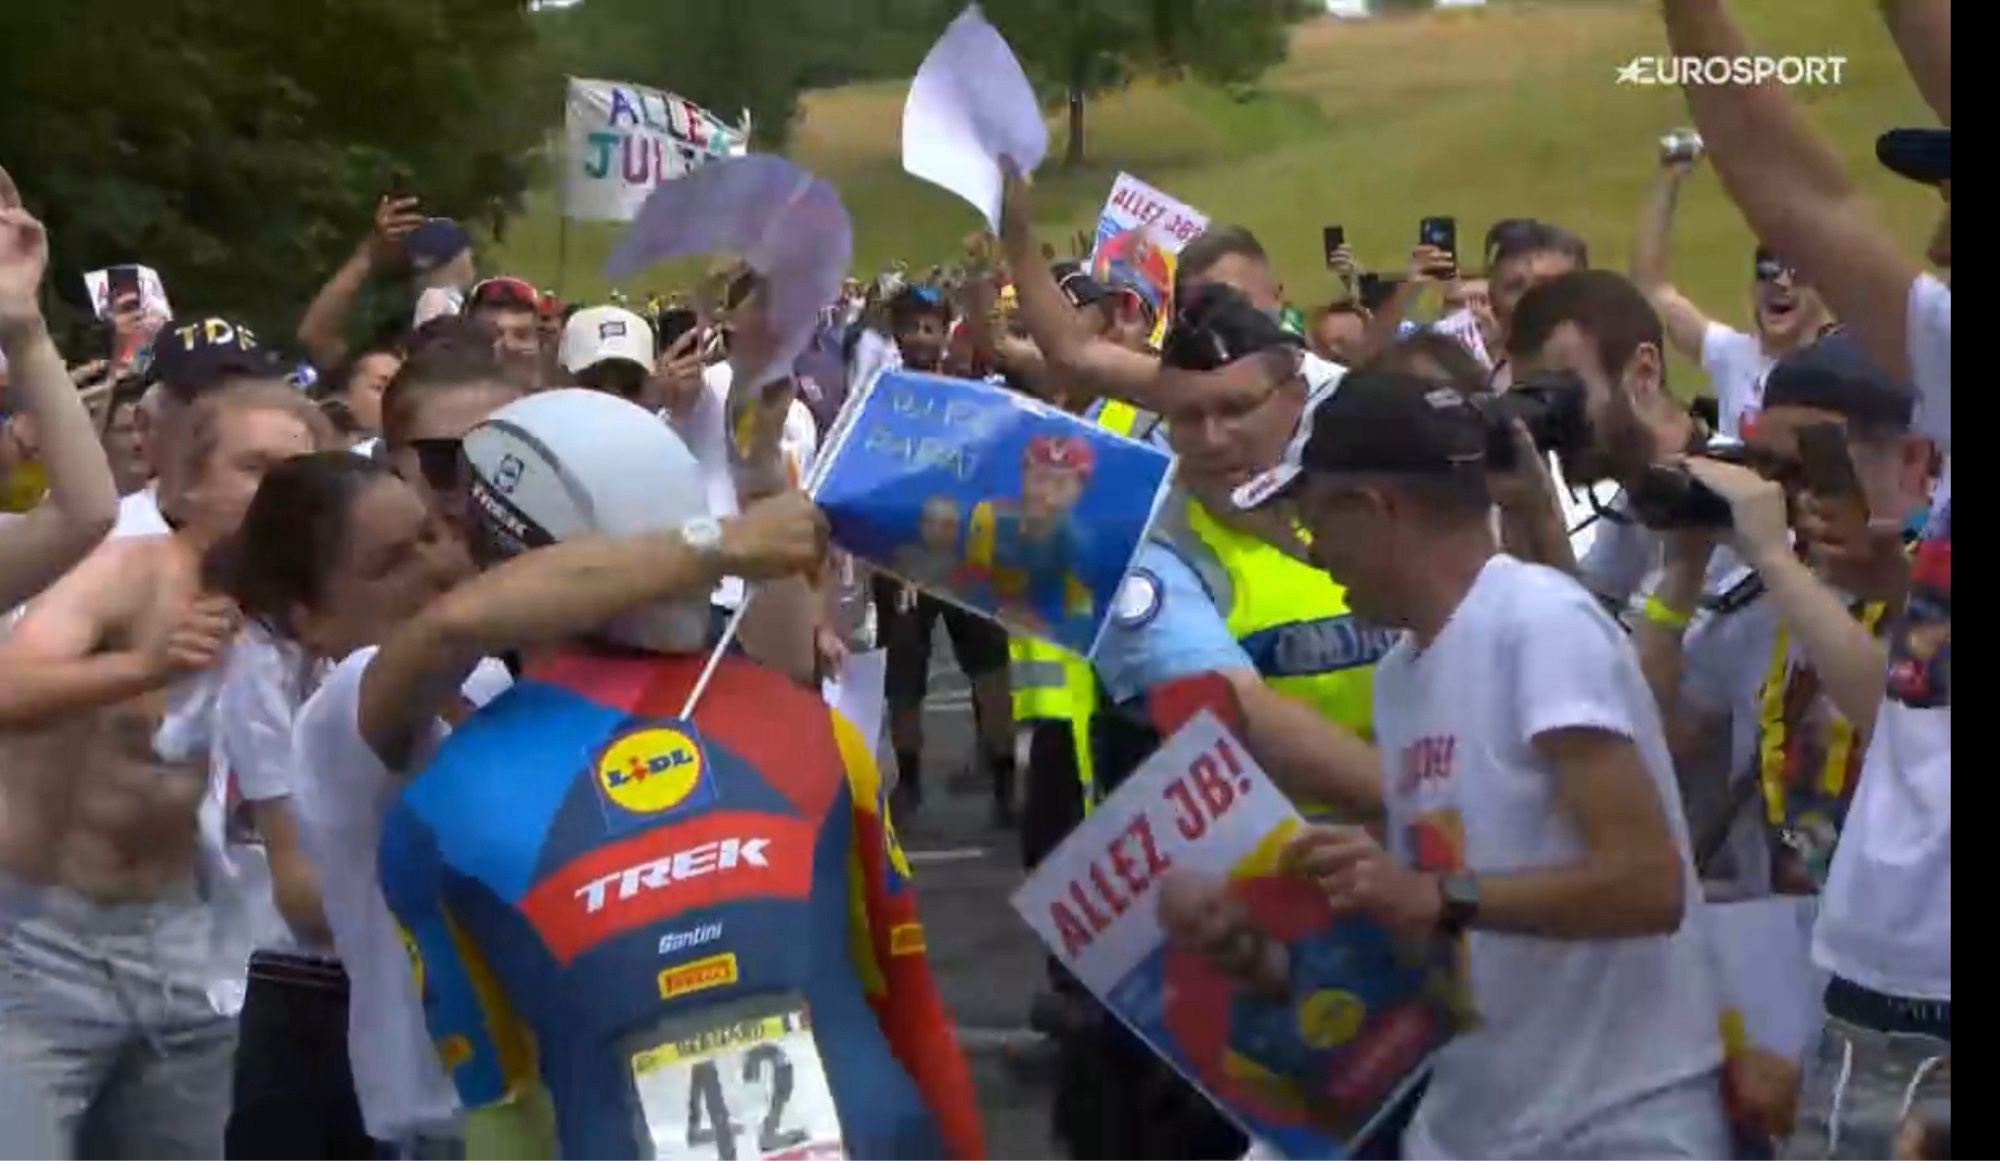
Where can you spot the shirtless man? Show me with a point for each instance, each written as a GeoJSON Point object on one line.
{"type": "Point", "coordinates": [106, 953]}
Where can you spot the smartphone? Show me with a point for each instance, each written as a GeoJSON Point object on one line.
{"type": "Point", "coordinates": [674, 323]}
{"type": "Point", "coordinates": [1334, 237]}
{"type": "Point", "coordinates": [1443, 234]}
{"type": "Point", "coordinates": [1375, 290]}
{"type": "Point", "coordinates": [1680, 145]}
{"type": "Point", "coordinates": [397, 184]}
{"type": "Point", "coordinates": [1830, 476]}
{"type": "Point", "coordinates": [1439, 232]}
{"type": "Point", "coordinates": [122, 282]}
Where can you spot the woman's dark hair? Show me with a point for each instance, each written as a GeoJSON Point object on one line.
{"type": "Point", "coordinates": [1417, 353]}
{"type": "Point", "coordinates": [292, 536]}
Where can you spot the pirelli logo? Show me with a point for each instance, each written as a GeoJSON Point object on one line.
{"type": "Point", "coordinates": [698, 975]}
{"type": "Point", "coordinates": [906, 939]}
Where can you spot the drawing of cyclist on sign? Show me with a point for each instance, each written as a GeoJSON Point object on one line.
{"type": "Point", "coordinates": [1025, 552]}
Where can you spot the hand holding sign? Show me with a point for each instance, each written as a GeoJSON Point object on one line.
{"type": "Point", "coordinates": [969, 106]}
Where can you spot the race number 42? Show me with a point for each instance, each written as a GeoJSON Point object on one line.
{"type": "Point", "coordinates": [755, 1091]}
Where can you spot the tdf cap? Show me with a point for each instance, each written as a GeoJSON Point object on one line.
{"type": "Point", "coordinates": [1378, 423]}
{"type": "Point", "coordinates": [601, 334]}
{"type": "Point", "coordinates": [569, 463]}
{"type": "Point", "coordinates": [198, 355]}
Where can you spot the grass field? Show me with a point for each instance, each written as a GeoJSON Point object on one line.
{"type": "Point", "coordinates": [1481, 114]}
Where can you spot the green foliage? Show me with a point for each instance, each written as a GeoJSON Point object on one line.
{"type": "Point", "coordinates": [238, 145]}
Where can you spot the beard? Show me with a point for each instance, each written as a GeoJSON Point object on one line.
{"type": "Point", "coordinates": [1620, 448]}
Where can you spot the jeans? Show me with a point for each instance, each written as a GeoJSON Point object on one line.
{"type": "Point", "coordinates": [294, 1088]}
{"type": "Point", "coordinates": [1866, 1072]}
{"type": "Point", "coordinates": [108, 1026]}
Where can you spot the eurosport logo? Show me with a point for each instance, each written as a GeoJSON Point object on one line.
{"type": "Point", "coordinates": [1733, 70]}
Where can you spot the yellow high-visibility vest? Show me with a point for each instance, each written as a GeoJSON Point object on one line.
{"type": "Point", "coordinates": [1050, 684]}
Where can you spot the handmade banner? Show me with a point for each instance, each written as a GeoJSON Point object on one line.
{"type": "Point", "coordinates": [622, 140]}
{"type": "Point", "coordinates": [991, 500]}
{"type": "Point", "coordinates": [1140, 233]}
{"type": "Point", "coordinates": [1305, 1044]}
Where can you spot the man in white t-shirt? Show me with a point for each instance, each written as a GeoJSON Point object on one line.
{"type": "Point", "coordinates": [1884, 929]}
{"type": "Point", "coordinates": [1786, 313]}
{"type": "Point", "coordinates": [1529, 797]}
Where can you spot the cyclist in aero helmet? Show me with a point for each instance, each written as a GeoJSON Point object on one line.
{"type": "Point", "coordinates": [704, 924]}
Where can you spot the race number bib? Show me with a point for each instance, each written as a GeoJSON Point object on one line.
{"type": "Point", "coordinates": [743, 1088]}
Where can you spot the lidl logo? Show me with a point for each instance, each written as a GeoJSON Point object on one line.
{"type": "Point", "coordinates": [698, 975]}
{"type": "Point", "coordinates": [649, 770]}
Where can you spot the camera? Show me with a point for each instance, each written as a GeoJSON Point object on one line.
{"type": "Point", "coordinates": [1680, 145]}
{"type": "Point", "coordinates": [1550, 406]}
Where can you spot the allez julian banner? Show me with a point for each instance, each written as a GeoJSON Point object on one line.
{"type": "Point", "coordinates": [1140, 234]}
{"type": "Point", "coordinates": [621, 140]}
{"type": "Point", "coordinates": [1306, 1059]}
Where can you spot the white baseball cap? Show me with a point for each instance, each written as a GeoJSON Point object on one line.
{"type": "Point", "coordinates": [599, 334]}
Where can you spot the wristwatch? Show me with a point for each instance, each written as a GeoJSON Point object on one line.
{"type": "Point", "coordinates": [1460, 892]}
{"type": "Point", "coordinates": [704, 535]}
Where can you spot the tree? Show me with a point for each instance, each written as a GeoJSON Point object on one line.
{"type": "Point", "coordinates": [1074, 51]}
{"type": "Point", "coordinates": [238, 145]}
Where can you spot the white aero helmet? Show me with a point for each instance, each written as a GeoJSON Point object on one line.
{"type": "Point", "coordinates": [561, 464]}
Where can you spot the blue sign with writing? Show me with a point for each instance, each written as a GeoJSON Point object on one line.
{"type": "Point", "coordinates": [994, 501]}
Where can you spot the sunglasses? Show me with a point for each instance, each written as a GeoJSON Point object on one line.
{"type": "Point", "coordinates": [504, 292]}
{"type": "Point", "coordinates": [439, 460]}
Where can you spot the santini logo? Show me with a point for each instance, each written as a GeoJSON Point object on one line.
{"type": "Point", "coordinates": [688, 940]}
{"type": "Point", "coordinates": [679, 867]}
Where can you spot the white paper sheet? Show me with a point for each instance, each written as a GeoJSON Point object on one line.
{"type": "Point", "coordinates": [970, 104]}
{"type": "Point", "coordinates": [857, 693]}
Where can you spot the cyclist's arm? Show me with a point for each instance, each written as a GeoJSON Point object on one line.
{"type": "Point", "coordinates": [906, 1003]}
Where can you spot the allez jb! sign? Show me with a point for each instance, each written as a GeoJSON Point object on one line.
{"type": "Point", "coordinates": [621, 140]}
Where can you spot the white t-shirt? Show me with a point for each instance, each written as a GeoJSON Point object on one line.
{"type": "Point", "coordinates": [1737, 367]}
{"type": "Point", "coordinates": [1574, 1031]}
{"type": "Point", "coordinates": [705, 431]}
{"type": "Point", "coordinates": [1885, 916]}
{"type": "Point", "coordinates": [401, 1086]}
{"type": "Point", "coordinates": [263, 681]}
{"type": "Point", "coordinates": [139, 514]}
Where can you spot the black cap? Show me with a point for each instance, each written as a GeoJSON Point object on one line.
{"type": "Point", "coordinates": [1217, 326]}
{"type": "Point", "coordinates": [1077, 285]}
{"type": "Point", "coordinates": [194, 356]}
{"type": "Point", "coordinates": [1835, 374]}
{"type": "Point", "coordinates": [1919, 154]}
{"type": "Point", "coordinates": [1377, 423]}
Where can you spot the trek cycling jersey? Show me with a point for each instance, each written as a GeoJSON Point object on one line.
{"type": "Point", "coordinates": [701, 935]}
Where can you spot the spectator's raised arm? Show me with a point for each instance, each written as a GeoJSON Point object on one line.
{"type": "Point", "coordinates": [83, 498]}
{"type": "Point", "coordinates": [1794, 192]}
{"type": "Point", "coordinates": [1684, 321]}
{"type": "Point", "coordinates": [1922, 29]}
{"type": "Point", "coordinates": [323, 330]}
{"type": "Point", "coordinates": [1090, 366]}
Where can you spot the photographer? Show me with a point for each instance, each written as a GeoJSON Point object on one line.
{"type": "Point", "coordinates": [1793, 679]}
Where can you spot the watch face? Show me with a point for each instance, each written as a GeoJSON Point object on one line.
{"type": "Point", "coordinates": [703, 533]}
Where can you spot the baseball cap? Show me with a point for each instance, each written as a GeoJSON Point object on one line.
{"type": "Point", "coordinates": [1836, 375]}
{"type": "Point", "coordinates": [1376, 422]}
{"type": "Point", "coordinates": [435, 243]}
{"type": "Point", "coordinates": [504, 291]}
{"type": "Point", "coordinates": [600, 334]}
{"type": "Point", "coordinates": [1077, 285]}
{"type": "Point", "coordinates": [1919, 154]}
{"type": "Point", "coordinates": [200, 354]}
{"type": "Point", "coordinates": [1216, 326]}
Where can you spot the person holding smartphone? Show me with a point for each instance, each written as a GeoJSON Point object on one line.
{"type": "Point", "coordinates": [1786, 312]}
